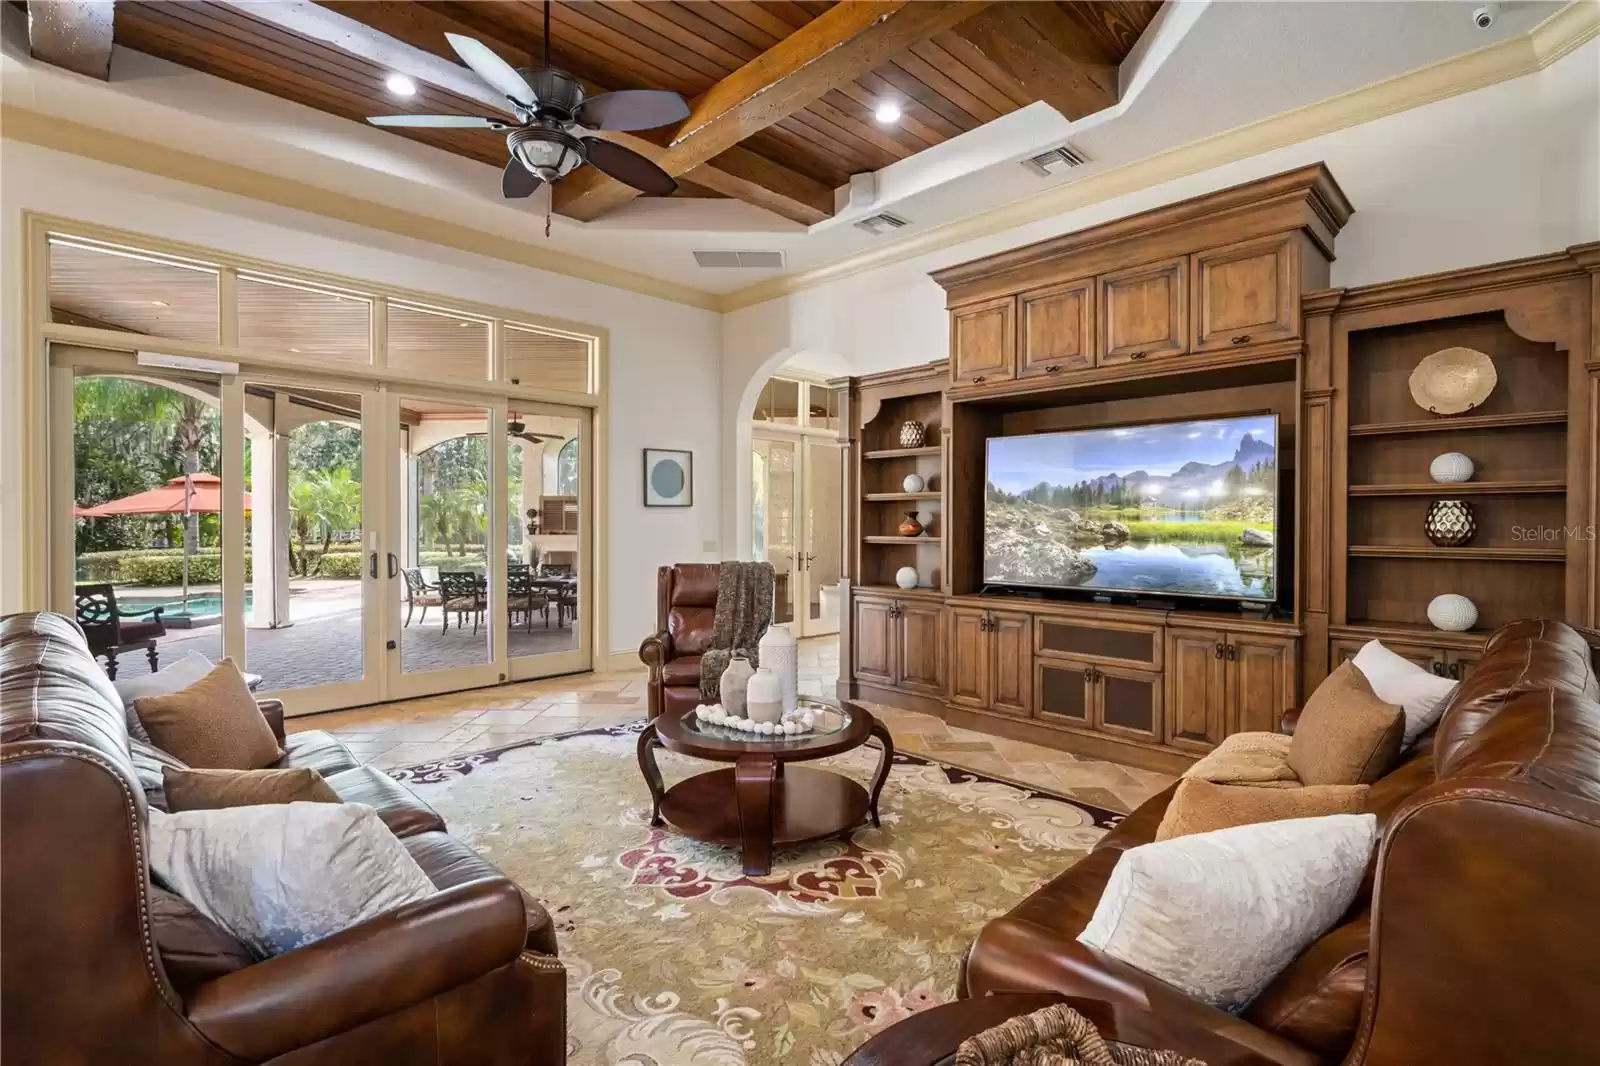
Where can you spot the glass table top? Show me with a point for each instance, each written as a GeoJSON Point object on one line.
{"type": "Point", "coordinates": [827, 719]}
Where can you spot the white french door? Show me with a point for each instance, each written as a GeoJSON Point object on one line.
{"type": "Point", "coordinates": [797, 526]}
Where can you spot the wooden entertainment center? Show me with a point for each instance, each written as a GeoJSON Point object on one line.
{"type": "Point", "coordinates": [1214, 307]}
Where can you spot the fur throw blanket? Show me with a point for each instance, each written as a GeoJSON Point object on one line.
{"type": "Point", "coordinates": [744, 610]}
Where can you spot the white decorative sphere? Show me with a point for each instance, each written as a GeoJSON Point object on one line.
{"type": "Point", "coordinates": [1452, 613]}
{"type": "Point", "coordinates": [1451, 467]}
{"type": "Point", "coordinates": [766, 728]}
{"type": "Point", "coordinates": [914, 483]}
{"type": "Point", "coordinates": [906, 577]}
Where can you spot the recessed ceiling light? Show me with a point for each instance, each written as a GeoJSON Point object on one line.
{"type": "Point", "coordinates": [295, 350]}
{"type": "Point", "coordinates": [887, 112]}
{"type": "Point", "coordinates": [401, 85]}
{"type": "Point", "coordinates": [159, 303]}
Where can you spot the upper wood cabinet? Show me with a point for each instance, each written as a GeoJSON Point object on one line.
{"type": "Point", "coordinates": [1144, 312]}
{"type": "Point", "coordinates": [1244, 293]}
{"type": "Point", "coordinates": [983, 342]}
{"type": "Point", "coordinates": [1057, 329]}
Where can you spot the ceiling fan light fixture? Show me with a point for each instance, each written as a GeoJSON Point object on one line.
{"type": "Point", "coordinates": [549, 154]}
{"type": "Point", "coordinates": [887, 112]}
{"type": "Point", "coordinates": [400, 85]}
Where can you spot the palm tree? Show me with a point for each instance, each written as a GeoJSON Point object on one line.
{"type": "Point", "coordinates": [329, 500]}
{"type": "Point", "coordinates": [436, 516]}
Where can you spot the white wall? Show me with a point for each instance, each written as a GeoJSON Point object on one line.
{"type": "Point", "coordinates": [1508, 171]}
{"type": "Point", "coordinates": [664, 373]}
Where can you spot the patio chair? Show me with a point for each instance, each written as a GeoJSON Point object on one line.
{"type": "Point", "coordinates": [419, 593]}
{"type": "Point", "coordinates": [461, 592]}
{"type": "Point", "coordinates": [108, 630]}
{"type": "Point", "coordinates": [521, 596]}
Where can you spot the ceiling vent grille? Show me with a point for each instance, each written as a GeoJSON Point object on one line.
{"type": "Point", "coordinates": [718, 258]}
{"type": "Point", "coordinates": [1055, 161]}
{"type": "Point", "coordinates": [881, 223]}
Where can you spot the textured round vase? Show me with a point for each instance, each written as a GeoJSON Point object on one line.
{"type": "Point", "coordinates": [1451, 467]}
{"type": "Point", "coordinates": [913, 483]}
{"type": "Point", "coordinates": [732, 685]}
{"type": "Point", "coordinates": [781, 655]}
{"type": "Point", "coordinates": [909, 526]}
{"type": "Point", "coordinates": [764, 696]}
{"type": "Point", "coordinates": [912, 434]}
{"type": "Point", "coordinates": [1450, 523]}
{"type": "Point", "coordinates": [906, 577]}
{"type": "Point", "coordinates": [1452, 613]}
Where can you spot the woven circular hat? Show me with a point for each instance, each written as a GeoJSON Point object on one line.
{"type": "Point", "coordinates": [1453, 380]}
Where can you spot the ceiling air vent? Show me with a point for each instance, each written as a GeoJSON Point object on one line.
{"type": "Point", "coordinates": [881, 223]}
{"type": "Point", "coordinates": [1055, 161]}
{"type": "Point", "coordinates": [739, 260]}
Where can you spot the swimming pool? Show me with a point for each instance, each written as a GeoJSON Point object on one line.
{"type": "Point", "coordinates": [199, 605]}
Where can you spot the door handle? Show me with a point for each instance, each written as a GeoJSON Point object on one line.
{"type": "Point", "coordinates": [372, 565]}
{"type": "Point", "coordinates": [1233, 652]}
{"type": "Point", "coordinates": [394, 566]}
{"type": "Point", "coordinates": [1438, 670]}
{"type": "Point", "coordinates": [1221, 650]}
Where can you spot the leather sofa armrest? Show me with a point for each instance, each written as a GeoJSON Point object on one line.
{"type": "Point", "coordinates": [1288, 720]}
{"type": "Point", "coordinates": [655, 651]}
{"type": "Point", "coordinates": [272, 711]}
{"type": "Point", "coordinates": [377, 968]}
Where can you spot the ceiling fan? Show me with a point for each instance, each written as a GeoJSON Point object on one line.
{"type": "Point", "coordinates": [518, 428]}
{"type": "Point", "coordinates": [549, 105]}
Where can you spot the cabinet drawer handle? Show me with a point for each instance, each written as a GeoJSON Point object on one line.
{"type": "Point", "coordinates": [1243, 338]}
{"type": "Point", "coordinates": [1221, 650]}
{"type": "Point", "coordinates": [1233, 652]}
{"type": "Point", "coordinates": [1052, 369]}
{"type": "Point", "coordinates": [1438, 669]}
{"type": "Point", "coordinates": [1137, 355]}
{"type": "Point", "coordinates": [979, 380]}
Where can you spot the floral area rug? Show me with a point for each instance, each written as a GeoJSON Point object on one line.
{"type": "Point", "coordinates": [676, 958]}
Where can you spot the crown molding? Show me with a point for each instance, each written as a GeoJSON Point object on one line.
{"type": "Point", "coordinates": [1555, 37]}
{"type": "Point", "coordinates": [117, 149]}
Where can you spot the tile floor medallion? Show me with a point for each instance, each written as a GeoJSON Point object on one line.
{"type": "Point", "coordinates": [673, 955]}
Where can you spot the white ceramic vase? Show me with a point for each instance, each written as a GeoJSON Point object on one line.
{"type": "Point", "coordinates": [906, 577]}
{"type": "Point", "coordinates": [781, 655]}
{"type": "Point", "coordinates": [1451, 467]}
{"type": "Point", "coordinates": [764, 697]}
{"type": "Point", "coordinates": [1452, 613]}
{"type": "Point", "coordinates": [732, 685]}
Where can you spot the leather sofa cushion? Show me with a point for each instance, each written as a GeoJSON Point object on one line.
{"type": "Point", "coordinates": [1140, 826]}
{"type": "Point", "coordinates": [398, 806]}
{"type": "Point", "coordinates": [193, 948]}
{"type": "Point", "coordinates": [320, 751]}
{"type": "Point", "coordinates": [684, 670]}
{"type": "Point", "coordinates": [1316, 1002]}
{"type": "Point", "coordinates": [679, 699]}
{"type": "Point", "coordinates": [1012, 949]}
{"type": "Point", "coordinates": [448, 862]}
{"type": "Point", "coordinates": [691, 629]}
{"type": "Point", "coordinates": [206, 790]}
{"type": "Point", "coordinates": [695, 584]}
{"type": "Point", "coordinates": [1551, 737]}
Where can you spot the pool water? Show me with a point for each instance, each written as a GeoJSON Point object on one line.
{"type": "Point", "coordinates": [169, 604]}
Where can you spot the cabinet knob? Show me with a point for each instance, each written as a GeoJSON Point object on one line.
{"type": "Point", "coordinates": [1243, 338]}
{"type": "Point", "coordinates": [1052, 369]}
{"type": "Point", "coordinates": [980, 379]}
{"type": "Point", "coordinates": [1233, 652]}
{"type": "Point", "coordinates": [1221, 650]}
{"type": "Point", "coordinates": [1137, 355]}
{"type": "Point", "coordinates": [1438, 669]}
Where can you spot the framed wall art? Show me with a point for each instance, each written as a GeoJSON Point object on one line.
{"type": "Point", "coordinates": [668, 478]}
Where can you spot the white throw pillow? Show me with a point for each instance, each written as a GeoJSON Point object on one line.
{"type": "Point", "coordinates": [1396, 679]}
{"type": "Point", "coordinates": [284, 875]}
{"type": "Point", "coordinates": [1220, 914]}
{"type": "Point", "coordinates": [174, 677]}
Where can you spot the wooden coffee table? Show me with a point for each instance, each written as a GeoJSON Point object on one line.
{"type": "Point", "coordinates": [761, 802]}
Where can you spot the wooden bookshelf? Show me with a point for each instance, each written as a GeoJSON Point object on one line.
{"type": "Point", "coordinates": [1464, 488]}
{"type": "Point", "coordinates": [1441, 424]}
{"type": "Point", "coordinates": [903, 453]}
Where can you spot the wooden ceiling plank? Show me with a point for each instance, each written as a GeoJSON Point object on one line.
{"type": "Point", "coordinates": [791, 13]}
{"type": "Point", "coordinates": [857, 102]}
{"type": "Point", "coordinates": [1072, 87]}
{"type": "Point", "coordinates": [974, 59]}
{"type": "Point", "coordinates": [797, 155]}
{"type": "Point", "coordinates": [623, 53]}
{"type": "Point", "coordinates": [648, 34]}
{"type": "Point", "coordinates": [958, 72]}
{"type": "Point", "coordinates": [746, 19]}
{"type": "Point", "coordinates": [942, 84]}
{"type": "Point", "coordinates": [891, 78]}
{"type": "Point", "coordinates": [702, 39]}
{"type": "Point", "coordinates": [1113, 27]}
{"type": "Point", "coordinates": [852, 156]}
{"type": "Point", "coordinates": [73, 34]}
{"type": "Point", "coordinates": [869, 89]}
{"type": "Point", "coordinates": [896, 140]}
{"type": "Point", "coordinates": [831, 132]}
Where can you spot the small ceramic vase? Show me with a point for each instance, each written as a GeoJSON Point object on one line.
{"type": "Point", "coordinates": [1452, 613]}
{"type": "Point", "coordinates": [764, 697]}
{"type": "Point", "coordinates": [781, 655]}
{"type": "Point", "coordinates": [1451, 467]}
{"type": "Point", "coordinates": [732, 685]}
{"type": "Point", "coordinates": [1450, 523]}
{"type": "Point", "coordinates": [913, 483]}
{"type": "Point", "coordinates": [910, 527]}
{"type": "Point", "coordinates": [906, 577]}
{"type": "Point", "coordinates": [912, 434]}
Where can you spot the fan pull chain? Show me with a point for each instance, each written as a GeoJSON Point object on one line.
{"type": "Point", "coordinates": [547, 220]}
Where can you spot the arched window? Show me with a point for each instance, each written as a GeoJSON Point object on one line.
{"type": "Point", "coordinates": [567, 469]}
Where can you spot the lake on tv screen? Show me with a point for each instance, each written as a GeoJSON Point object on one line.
{"type": "Point", "coordinates": [1183, 508]}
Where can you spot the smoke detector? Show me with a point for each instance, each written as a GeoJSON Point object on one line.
{"type": "Point", "coordinates": [1056, 161]}
{"type": "Point", "coordinates": [881, 223]}
{"type": "Point", "coordinates": [718, 258]}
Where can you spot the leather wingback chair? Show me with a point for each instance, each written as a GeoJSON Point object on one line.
{"type": "Point", "coordinates": [686, 613]}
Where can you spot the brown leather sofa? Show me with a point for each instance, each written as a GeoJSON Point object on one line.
{"type": "Point", "coordinates": [97, 965]}
{"type": "Point", "coordinates": [686, 612]}
{"type": "Point", "coordinates": [1475, 941]}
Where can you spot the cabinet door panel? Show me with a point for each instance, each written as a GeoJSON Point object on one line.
{"type": "Point", "coordinates": [1196, 690]}
{"type": "Point", "coordinates": [1063, 693]}
{"type": "Point", "coordinates": [969, 659]}
{"type": "Point", "coordinates": [1011, 677]}
{"type": "Point", "coordinates": [872, 646]}
{"type": "Point", "coordinates": [1261, 682]}
{"type": "Point", "coordinates": [921, 650]}
{"type": "Point", "coordinates": [1115, 642]}
{"type": "Point", "coordinates": [1129, 704]}
{"type": "Point", "coordinates": [1057, 329]}
{"type": "Point", "coordinates": [1458, 664]}
{"type": "Point", "coordinates": [1430, 659]}
{"type": "Point", "coordinates": [1144, 312]}
{"type": "Point", "coordinates": [1244, 294]}
{"type": "Point", "coordinates": [983, 341]}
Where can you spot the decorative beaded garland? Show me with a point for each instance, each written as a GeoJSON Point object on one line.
{"type": "Point", "coordinates": [793, 723]}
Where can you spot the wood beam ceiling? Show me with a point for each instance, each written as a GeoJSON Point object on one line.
{"type": "Point", "coordinates": [849, 40]}
{"type": "Point", "coordinates": [75, 34]}
{"type": "Point", "coordinates": [1040, 48]}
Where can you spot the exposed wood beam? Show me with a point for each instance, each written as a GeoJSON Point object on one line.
{"type": "Point", "coordinates": [738, 172]}
{"type": "Point", "coordinates": [838, 46]}
{"type": "Point", "coordinates": [75, 34]}
{"type": "Point", "coordinates": [1041, 50]}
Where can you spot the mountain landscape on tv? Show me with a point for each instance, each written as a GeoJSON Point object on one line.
{"type": "Point", "coordinates": [1180, 508]}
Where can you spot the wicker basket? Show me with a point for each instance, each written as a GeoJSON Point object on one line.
{"type": "Point", "coordinates": [1058, 1036]}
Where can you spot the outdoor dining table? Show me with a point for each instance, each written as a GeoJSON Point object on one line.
{"type": "Point", "coordinates": [560, 585]}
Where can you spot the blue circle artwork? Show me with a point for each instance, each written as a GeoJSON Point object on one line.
{"type": "Point", "coordinates": [667, 478]}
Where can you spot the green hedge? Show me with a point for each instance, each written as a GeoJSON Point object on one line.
{"type": "Point", "coordinates": [204, 569]}
{"type": "Point", "coordinates": [164, 566]}
{"type": "Point", "coordinates": [338, 564]}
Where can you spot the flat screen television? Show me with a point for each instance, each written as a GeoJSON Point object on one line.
{"type": "Point", "coordinates": [1159, 510]}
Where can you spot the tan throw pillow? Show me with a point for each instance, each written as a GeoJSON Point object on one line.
{"type": "Point", "coordinates": [1200, 806]}
{"type": "Point", "coordinates": [1260, 759]}
{"type": "Point", "coordinates": [210, 790]}
{"type": "Point", "coordinates": [1346, 735]}
{"type": "Point", "coordinates": [214, 724]}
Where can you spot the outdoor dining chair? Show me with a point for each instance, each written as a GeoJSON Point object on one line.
{"type": "Point", "coordinates": [462, 593]}
{"type": "Point", "coordinates": [419, 593]}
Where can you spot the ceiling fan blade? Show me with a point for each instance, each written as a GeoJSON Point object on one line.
{"type": "Point", "coordinates": [629, 167]}
{"type": "Point", "coordinates": [517, 181]}
{"type": "Point", "coordinates": [438, 121]}
{"type": "Point", "coordinates": [492, 69]}
{"type": "Point", "coordinates": [632, 109]}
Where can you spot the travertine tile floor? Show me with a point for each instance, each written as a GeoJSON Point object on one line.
{"type": "Point", "coordinates": [422, 730]}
